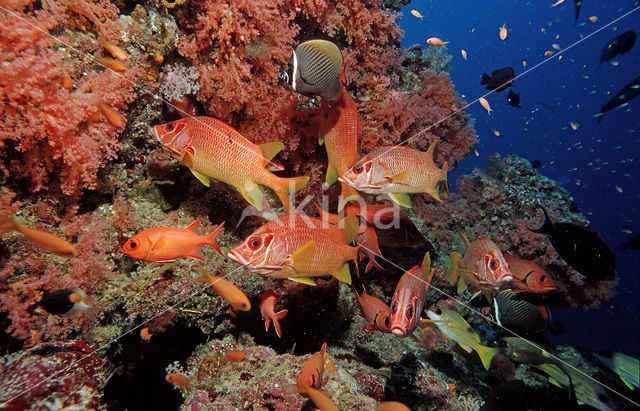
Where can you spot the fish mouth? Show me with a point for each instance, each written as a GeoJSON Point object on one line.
{"type": "Point", "coordinates": [398, 331]}
{"type": "Point", "coordinates": [238, 258]}
{"type": "Point", "coordinates": [155, 133]}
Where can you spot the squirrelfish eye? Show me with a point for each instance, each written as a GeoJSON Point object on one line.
{"type": "Point", "coordinates": [170, 126]}
{"type": "Point", "coordinates": [542, 278]}
{"type": "Point", "coordinates": [255, 243]}
{"type": "Point", "coordinates": [394, 308]}
{"type": "Point", "coordinates": [357, 169]}
{"type": "Point", "coordinates": [409, 312]}
{"type": "Point", "coordinates": [493, 264]}
{"type": "Point", "coordinates": [133, 244]}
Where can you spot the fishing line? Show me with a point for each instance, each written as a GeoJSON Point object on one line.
{"type": "Point", "coordinates": [107, 344]}
{"type": "Point", "coordinates": [503, 327]}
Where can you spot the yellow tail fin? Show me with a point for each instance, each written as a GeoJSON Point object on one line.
{"type": "Point", "coordinates": [287, 186]}
{"type": "Point", "coordinates": [486, 355]}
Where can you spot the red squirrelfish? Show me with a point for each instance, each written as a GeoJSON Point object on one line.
{"type": "Point", "coordinates": [529, 276]}
{"type": "Point", "coordinates": [398, 171]}
{"type": "Point", "coordinates": [226, 289]}
{"type": "Point", "coordinates": [409, 298]}
{"type": "Point", "coordinates": [339, 134]}
{"type": "Point", "coordinates": [373, 310]}
{"type": "Point", "coordinates": [312, 370]}
{"type": "Point", "coordinates": [38, 237]}
{"type": "Point", "coordinates": [268, 300]}
{"type": "Point", "coordinates": [320, 399]}
{"type": "Point", "coordinates": [299, 247]}
{"type": "Point", "coordinates": [213, 149]}
{"type": "Point", "coordinates": [385, 226]}
{"type": "Point", "coordinates": [483, 268]}
{"type": "Point", "coordinates": [165, 244]}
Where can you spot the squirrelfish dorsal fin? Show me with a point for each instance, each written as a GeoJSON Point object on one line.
{"type": "Point", "coordinates": [432, 148]}
{"type": "Point", "coordinates": [426, 263]}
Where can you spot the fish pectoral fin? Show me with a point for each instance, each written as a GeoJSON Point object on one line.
{"type": "Point", "coordinates": [462, 285]}
{"type": "Point", "coordinates": [303, 280]}
{"type": "Point", "coordinates": [303, 255]}
{"type": "Point", "coordinates": [203, 179]}
{"type": "Point", "coordinates": [344, 274]}
{"type": "Point", "coordinates": [401, 177]}
{"type": "Point", "coordinates": [270, 150]}
{"type": "Point", "coordinates": [349, 226]}
{"type": "Point", "coordinates": [401, 199]}
{"type": "Point", "coordinates": [331, 176]}
{"type": "Point", "coordinates": [253, 194]}
{"type": "Point", "coordinates": [321, 141]}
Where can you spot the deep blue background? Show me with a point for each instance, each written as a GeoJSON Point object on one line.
{"type": "Point", "coordinates": [589, 162]}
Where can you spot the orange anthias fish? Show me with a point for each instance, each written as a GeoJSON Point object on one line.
{"type": "Point", "coordinates": [165, 244]}
{"type": "Point", "coordinates": [268, 312]}
{"type": "Point", "coordinates": [483, 268]}
{"type": "Point", "coordinates": [339, 133]}
{"type": "Point", "coordinates": [434, 41]}
{"type": "Point", "coordinates": [409, 298]}
{"type": "Point", "coordinates": [213, 149]}
{"type": "Point", "coordinates": [373, 310]}
{"type": "Point", "coordinates": [299, 247]}
{"type": "Point", "coordinates": [235, 356]}
{"type": "Point", "coordinates": [115, 51]}
{"type": "Point", "coordinates": [38, 237]}
{"type": "Point", "coordinates": [398, 171]}
{"type": "Point", "coordinates": [503, 32]}
{"type": "Point", "coordinates": [529, 276]}
{"type": "Point", "coordinates": [226, 289]}
{"type": "Point", "coordinates": [177, 379]}
{"type": "Point", "coordinates": [312, 370]}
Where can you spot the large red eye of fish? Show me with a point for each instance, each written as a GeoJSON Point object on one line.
{"type": "Point", "coordinates": [542, 279]}
{"type": "Point", "coordinates": [170, 126]}
{"type": "Point", "coordinates": [357, 169]}
{"type": "Point", "coordinates": [255, 243]}
{"type": "Point", "coordinates": [409, 312]}
{"type": "Point", "coordinates": [493, 264]}
{"type": "Point", "coordinates": [132, 244]}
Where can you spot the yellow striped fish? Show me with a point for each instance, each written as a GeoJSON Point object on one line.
{"type": "Point", "coordinates": [451, 324]}
{"type": "Point", "coordinates": [587, 390]}
{"type": "Point", "coordinates": [624, 365]}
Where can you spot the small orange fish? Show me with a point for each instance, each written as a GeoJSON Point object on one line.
{"type": "Point", "coordinates": [392, 406]}
{"type": "Point", "coordinates": [434, 41]}
{"type": "Point", "coordinates": [145, 334]}
{"type": "Point", "coordinates": [177, 379]}
{"type": "Point", "coordinates": [165, 244]}
{"type": "Point", "coordinates": [503, 32]}
{"type": "Point", "coordinates": [214, 149]}
{"type": "Point", "coordinates": [485, 104]}
{"type": "Point", "coordinates": [268, 300]}
{"type": "Point", "coordinates": [111, 115]}
{"type": "Point", "coordinates": [229, 292]}
{"type": "Point", "coordinates": [593, 19]}
{"type": "Point", "coordinates": [38, 237]}
{"type": "Point", "coordinates": [115, 51]}
{"type": "Point", "coordinates": [373, 310]}
{"type": "Point", "coordinates": [319, 398]}
{"type": "Point", "coordinates": [548, 53]}
{"type": "Point", "coordinates": [67, 83]}
{"type": "Point", "coordinates": [312, 370]}
{"type": "Point", "coordinates": [417, 14]}
{"type": "Point", "coordinates": [299, 247]}
{"type": "Point", "coordinates": [114, 65]}
{"type": "Point", "coordinates": [409, 298]}
{"type": "Point", "coordinates": [235, 356]}
{"type": "Point", "coordinates": [157, 57]}
{"type": "Point", "coordinates": [529, 276]}
{"type": "Point", "coordinates": [464, 53]}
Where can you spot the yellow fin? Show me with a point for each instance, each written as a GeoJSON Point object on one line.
{"type": "Point", "coordinates": [303, 255]}
{"type": "Point", "coordinates": [401, 177]}
{"type": "Point", "coordinates": [426, 263]}
{"type": "Point", "coordinates": [343, 275]}
{"type": "Point", "coordinates": [303, 280]}
{"type": "Point", "coordinates": [203, 179]}
{"type": "Point", "coordinates": [253, 194]}
{"type": "Point", "coordinates": [331, 176]}
{"type": "Point", "coordinates": [465, 347]}
{"type": "Point", "coordinates": [486, 355]}
{"type": "Point", "coordinates": [452, 270]}
{"type": "Point", "coordinates": [401, 199]}
{"type": "Point", "coordinates": [349, 226]}
{"type": "Point", "coordinates": [284, 186]}
{"type": "Point", "coordinates": [462, 285]}
{"type": "Point", "coordinates": [431, 149]}
{"type": "Point", "coordinates": [269, 150]}
{"type": "Point", "coordinates": [467, 243]}
{"type": "Point", "coordinates": [347, 195]}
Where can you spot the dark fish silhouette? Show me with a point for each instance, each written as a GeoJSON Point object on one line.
{"type": "Point", "coordinates": [581, 248]}
{"type": "Point", "coordinates": [633, 244]}
{"type": "Point", "coordinates": [513, 99]}
{"type": "Point", "coordinates": [618, 45]}
{"type": "Point", "coordinates": [578, 6]}
{"type": "Point", "coordinates": [500, 79]}
{"type": "Point", "coordinates": [536, 163]}
{"type": "Point", "coordinates": [621, 98]}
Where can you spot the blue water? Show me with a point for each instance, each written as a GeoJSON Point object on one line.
{"type": "Point", "coordinates": [589, 162]}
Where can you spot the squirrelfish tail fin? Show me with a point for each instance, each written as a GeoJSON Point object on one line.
{"type": "Point", "coordinates": [211, 238]}
{"type": "Point", "coordinates": [452, 271]}
{"type": "Point", "coordinates": [286, 186]}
